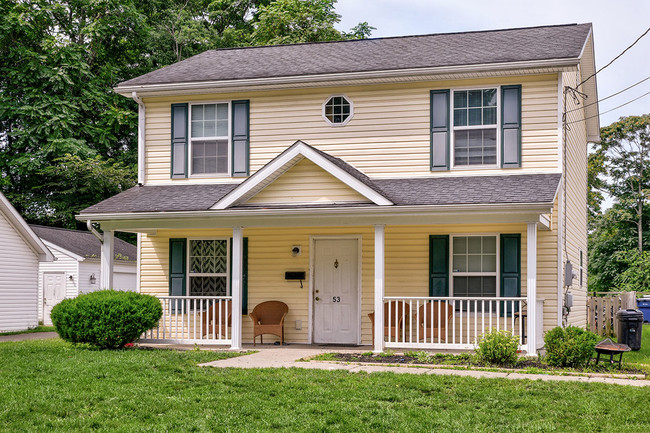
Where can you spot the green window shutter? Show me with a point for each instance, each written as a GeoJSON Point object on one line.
{"type": "Point", "coordinates": [179, 141]}
{"type": "Point", "coordinates": [510, 269]}
{"type": "Point", "coordinates": [177, 267]}
{"type": "Point", "coordinates": [511, 126]}
{"type": "Point", "coordinates": [244, 283]}
{"type": "Point", "coordinates": [240, 138]}
{"type": "Point", "coordinates": [438, 265]}
{"type": "Point", "coordinates": [439, 158]}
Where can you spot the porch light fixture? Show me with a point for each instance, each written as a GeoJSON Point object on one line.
{"type": "Point", "coordinates": [93, 279]}
{"type": "Point", "coordinates": [296, 250]}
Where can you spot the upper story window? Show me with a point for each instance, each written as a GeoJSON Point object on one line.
{"type": "Point", "coordinates": [475, 127]}
{"type": "Point", "coordinates": [209, 138]}
{"type": "Point", "coordinates": [338, 110]}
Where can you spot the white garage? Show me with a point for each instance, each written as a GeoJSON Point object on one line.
{"type": "Point", "coordinates": [21, 251]}
{"type": "Point", "coordinates": [77, 267]}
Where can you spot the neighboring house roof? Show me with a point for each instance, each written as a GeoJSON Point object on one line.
{"type": "Point", "coordinates": [547, 43]}
{"type": "Point", "coordinates": [509, 189]}
{"type": "Point", "coordinates": [84, 243]}
{"type": "Point", "coordinates": [19, 224]}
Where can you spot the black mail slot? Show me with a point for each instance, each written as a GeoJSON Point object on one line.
{"type": "Point", "coordinates": [294, 275]}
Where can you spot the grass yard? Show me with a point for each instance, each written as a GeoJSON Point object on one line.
{"type": "Point", "coordinates": [642, 356]}
{"type": "Point", "coordinates": [39, 328]}
{"type": "Point", "coordinates": [49, 385]}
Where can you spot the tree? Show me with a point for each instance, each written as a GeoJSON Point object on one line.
{"type": "Point", "coordinates": [619, 167]}
{"type": "Point", "coordinates": [61, 59]}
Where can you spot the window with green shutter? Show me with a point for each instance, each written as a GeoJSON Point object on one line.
{"type": "Point", "coordinates": [210, 268]}
{"type": "Point", "coordinates": [210, 139]}
{"type": "Point", "coordinates": [476, 127]}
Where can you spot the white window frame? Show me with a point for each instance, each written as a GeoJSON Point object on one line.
{"type": "Point", "coordinates": [345, 122]}
{"type": "Point", "coordinates": [464, 128]}
{"type": "Point", "coordinates": [191, 139]}
{"type": "Point", "coordinates": [496, 274]}
{"type": "Point", "coordinates": [202, 274]}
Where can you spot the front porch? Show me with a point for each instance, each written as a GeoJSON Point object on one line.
{"type": "Point", "coordinates": [392, 271]}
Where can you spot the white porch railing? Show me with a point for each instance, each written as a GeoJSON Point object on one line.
{"type": "Point", "coordinates": [450, 322]}
{"type": "Point", "coordinates": [193, 319]}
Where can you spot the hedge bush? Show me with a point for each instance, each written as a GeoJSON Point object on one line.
{"type": "Point", "coordinates": [497, 347]}
{"type": "Point", "coordinates": [569, 347]}
{"type": "Point", "coordinates": [107, 319]}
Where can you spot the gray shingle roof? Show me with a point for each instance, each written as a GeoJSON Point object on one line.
{"type": "Point", "coordinates": [84, 243]}
{"type": "Point", "coordinates": [510, 189]}
{"type": "Point", "coordinates": [381, 54]}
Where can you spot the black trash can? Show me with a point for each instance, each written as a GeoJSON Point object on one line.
{"type": "Point", "coordinates": [630, 326]}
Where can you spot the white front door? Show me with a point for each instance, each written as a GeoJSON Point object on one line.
{"type": "Point", "coordinates": [53, 293]}
{"type": "Point", "coordinates": [336, 291]}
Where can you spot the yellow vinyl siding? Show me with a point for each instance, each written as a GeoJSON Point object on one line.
{"type": "Point", "coordinates": [576, 201]}
{"type": "Point", "coordinates": [547, 263]}
{"type": "Point", "coordinates": [307, 183]}
{"type": "Point", "coordinates": [406, 272]}
{"type": "Point", "coordinates": [388, 135]}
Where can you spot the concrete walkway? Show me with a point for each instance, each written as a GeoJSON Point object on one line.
{"type": "Point", "coordinates": [287, 357]}
{"type": "Point", "coordinates": [30, 336]}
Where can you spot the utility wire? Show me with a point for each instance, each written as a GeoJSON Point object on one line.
{"type": "Point", "coordinates": [612, 109]}
{"type": "Point", "coordinates": [614, 59]}
{"type": "Point", "coordinates": [610, 96]}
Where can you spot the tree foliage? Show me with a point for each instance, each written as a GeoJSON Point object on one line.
{"type": "Point", "coordinates": [66, 139]}
{"type": "Point", "coordinates": [619, 167]}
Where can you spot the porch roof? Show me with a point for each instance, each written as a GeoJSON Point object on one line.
{"type": "Point", "coordinates": [432, 191]}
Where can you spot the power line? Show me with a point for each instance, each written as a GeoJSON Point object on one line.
{"type": "Point", "coordinates": [610, 96]}
{"type": "Point", "coordinates": [614, 59]}
{"type": "Point", "coordinates": [612, 109]}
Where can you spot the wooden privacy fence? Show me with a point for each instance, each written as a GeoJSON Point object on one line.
{"type": "Point", "coordinates": [601, 311]}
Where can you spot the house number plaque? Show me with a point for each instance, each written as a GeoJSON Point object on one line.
{"type": "Point", "coordinates": [336, 299]}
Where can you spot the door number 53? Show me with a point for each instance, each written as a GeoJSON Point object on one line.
{"type": "Point", "coordinates": [336, 299]}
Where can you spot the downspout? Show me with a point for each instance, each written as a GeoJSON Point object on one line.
{"type": "Point", "coordinates": [141, 119]}
{"type": "Point", "coordinates": [94, 231]}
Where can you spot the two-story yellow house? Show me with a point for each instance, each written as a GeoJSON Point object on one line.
{"type": "Point", "coordinates": [431, 174]}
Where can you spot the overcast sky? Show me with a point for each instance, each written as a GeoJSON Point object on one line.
{"type": "Point", "coordinates": [617, 23]}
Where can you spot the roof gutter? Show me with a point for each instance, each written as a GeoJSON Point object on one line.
{"type": "Point", "coordinates": [141, 126]}
{"type": "Point", "coordinates": [540, 208]}
{"type": "Point", "coordinates": [336, 78]}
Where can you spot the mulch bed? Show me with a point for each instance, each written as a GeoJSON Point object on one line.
{"type": "Point", "coordinates": [451, 362]}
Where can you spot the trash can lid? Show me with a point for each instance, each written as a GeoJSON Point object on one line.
{"type": "Point", "coordinates": [629, 313]}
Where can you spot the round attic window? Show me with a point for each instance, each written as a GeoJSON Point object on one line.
{"type": "Point", "coordinates": [337, 110]}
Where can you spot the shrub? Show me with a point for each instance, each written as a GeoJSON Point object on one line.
{"type": "Point", "coordinates": [106, 319]}
{"type": "Point", "coordinates": [497, 347]}
{"type": "Point", "coordinates": [569, 347]}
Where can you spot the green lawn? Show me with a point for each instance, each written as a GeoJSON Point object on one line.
{"type": "Point", "coordinates": [48, 385]}
{"type": "Point", "coordinates": [39, 328]}
{"type": "Point", "coordinates": [642, 356]}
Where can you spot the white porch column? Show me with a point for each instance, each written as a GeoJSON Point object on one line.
{"type": "Point", "coordinates": [378, 344]}
{"type": "Point", "coordinates": [531, 288]}
{"type": "Point", "coordinates": [107, 259]}
{"type": "Point", "coordinates": [236, 289]}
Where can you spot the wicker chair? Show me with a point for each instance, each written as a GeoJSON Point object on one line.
{"type": "Point", "coordinates": [209, 321]}
{"type": "Point", "coordinates": [425, 322]}
{"type": "Point", "coordinates": [268, 318]}
{"type": "Point", "coordinates": [398, 310]}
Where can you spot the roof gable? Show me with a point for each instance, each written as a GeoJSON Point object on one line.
{"type": "Point", "coordinates": [24, 230]}
{"type": "Point", "coordinates": [445, 50]}
{"type": "Point", "coordinates": [345, 173]}
{"type": "Point", "coordinates": [306, 183]}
